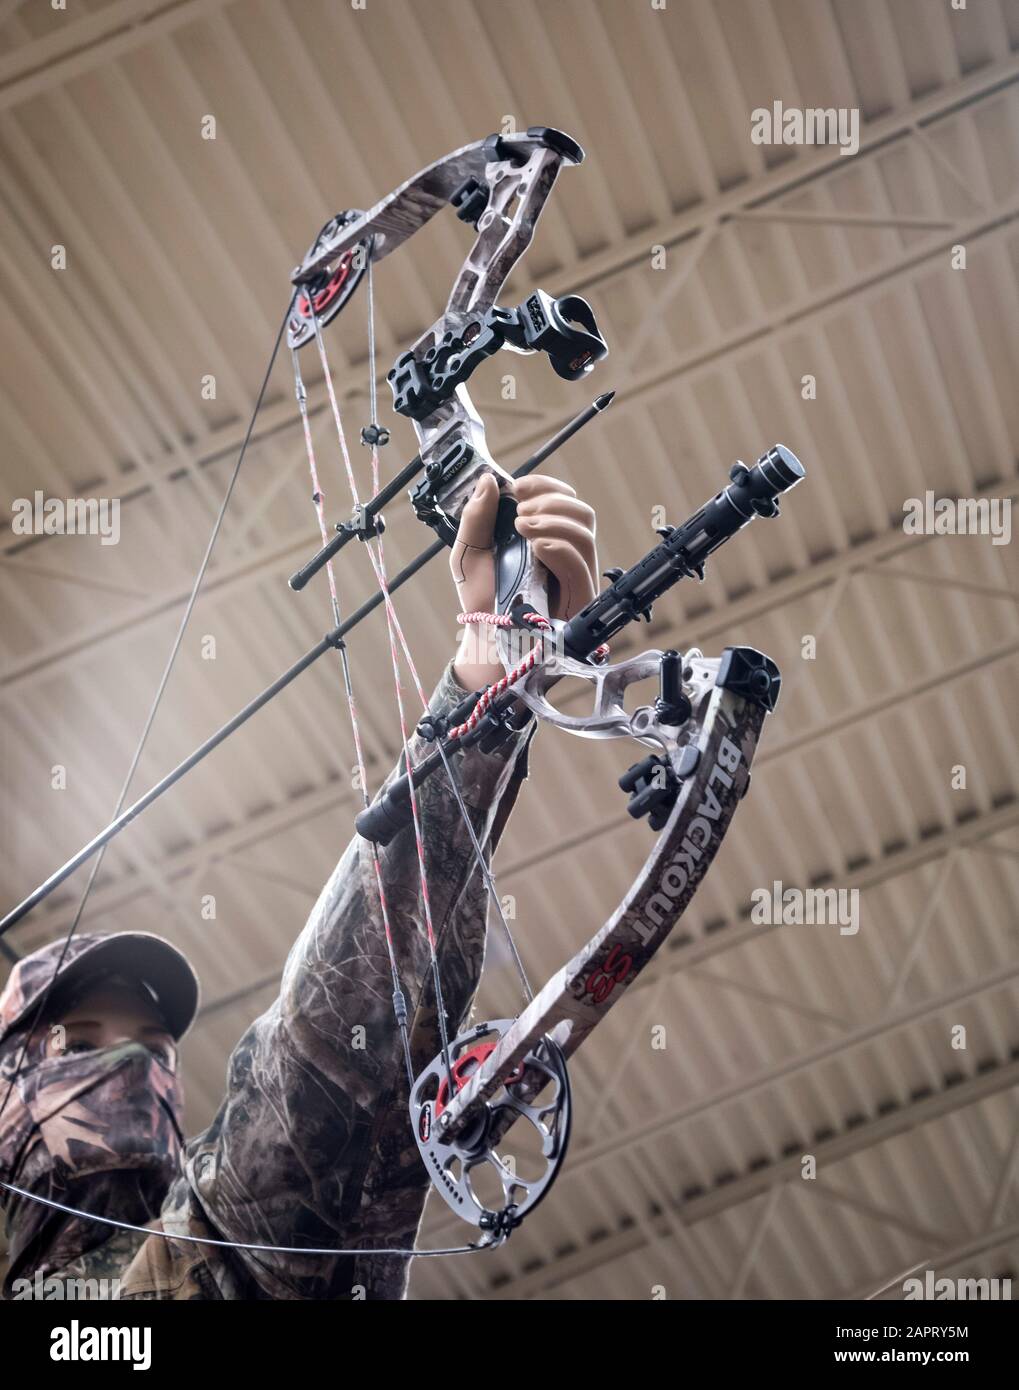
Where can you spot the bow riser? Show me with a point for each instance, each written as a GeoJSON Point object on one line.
{"type": "Point", "coordinates": [502, 240]}
{"type": "Point", "coordinates": [517, 195]}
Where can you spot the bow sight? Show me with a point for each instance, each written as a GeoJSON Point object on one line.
{"type": "Point", "coordinates": [564, 328]}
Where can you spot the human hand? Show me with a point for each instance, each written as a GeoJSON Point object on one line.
{"type": "Point", "coordinates": [561, 531]}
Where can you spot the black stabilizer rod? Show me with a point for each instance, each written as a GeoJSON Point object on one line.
{"type": "Point", "coordinates": [752, 492]}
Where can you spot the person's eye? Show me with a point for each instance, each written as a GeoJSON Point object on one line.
{"type": "Point", "coordinates": [80, 1046]}
{"type": "Point", "coordinates": [163, 1052]}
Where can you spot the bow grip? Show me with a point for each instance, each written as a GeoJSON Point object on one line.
{"type": "Point", "coordinates": [517, 573]}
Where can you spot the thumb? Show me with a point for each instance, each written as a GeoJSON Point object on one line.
{"type": "Point", "coordinates": [477, 520]}
{"type": "Point", "coordinates": [470, 560]}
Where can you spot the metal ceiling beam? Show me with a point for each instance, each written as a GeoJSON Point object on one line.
{"type": "Point", "coordinates": [746, 197]}
{"type": "Point", "coordinates": [874, 1031]}
{"type": "Point", "coordinates": [236, 577]}
{"type": "Point", "coordinates": [45, 925]}
{"type": "Point", "coordinates": [595, 1254]}
{"type": "Point", "coordinates": [70, 50]}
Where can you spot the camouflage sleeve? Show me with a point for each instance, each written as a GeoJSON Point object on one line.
{"type": "Point", "coordinates": [312, 1145]}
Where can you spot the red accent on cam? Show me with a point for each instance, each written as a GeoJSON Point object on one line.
{"type": "Point", "coordinates": [464, 1068]}
{"type": "Point", "coordinates": [331, 289]}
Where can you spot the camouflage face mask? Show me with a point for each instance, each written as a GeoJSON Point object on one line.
{"type": "Point", "coordinates": [78, 1115]}
{"type": "Point", "coordinates": [98, 1130]}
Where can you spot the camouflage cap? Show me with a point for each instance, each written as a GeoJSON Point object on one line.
{"type": "Point", "coordinates": [139, 956]}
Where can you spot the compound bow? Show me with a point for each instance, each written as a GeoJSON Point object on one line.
{"type": "Point", "coordinates": [701, 730]}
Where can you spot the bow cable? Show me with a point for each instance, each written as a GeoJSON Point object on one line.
{"type": "Point", "coordinates": [482, 862]}
{"type": "Point", "coordinates": [318, 502]}
{"type": "Point", "coordinates": [425, 900]}
{"type": "Point", "coordinates": [396, 636]}
{"type": "Point", "coordinates": [97, 864]}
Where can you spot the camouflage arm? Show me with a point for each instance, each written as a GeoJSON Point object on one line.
{"type": "Point", "coordinates": [312, 1144]}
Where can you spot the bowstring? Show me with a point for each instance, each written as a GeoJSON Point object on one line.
{"type": "Point", "coordinates": [395, 634]}
{"type": "Point", "coordinates": [238, 1244]}
{"type": "Point", "coordinates": [97, 863]}
{"type": "Point", "coordinates": [154, 707]}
